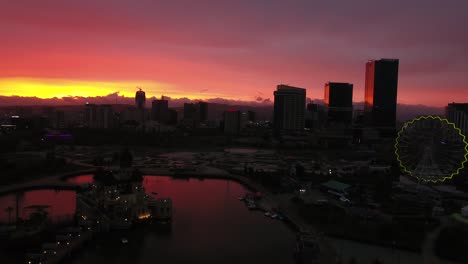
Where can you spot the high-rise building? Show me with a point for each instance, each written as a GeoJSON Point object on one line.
{"type": "Point", "coordinates": [232, 122]}
{"type": "Point", "coordinates": [59, 120]}
{"type": "Point", "coordinates": [315, 116]}
{"type": "Point", "coordinates": [190, 111]}
{"type": "Point", "coordinates": [160, 111]}
{"type": "Point", "coordinates": [458, 114]}
{"type": "Point", "coordinates": [289, 109]}
{"type": "Point", "coordinates": [381, 92]}
{"type": "Point", "coordinates": [56, 118]}
{"type": "Point", "coordinates": [251, 116]}
{"type": "Point", "coordinates": [90, 115]}
{"type": "Point", "coordinates": [140, 99]}
{"type": "Point", "coordinates": [195, 113]}
{"type": "Point", "coordinates": [191, 115]}
{"type": "Point", "coordinates": [339, 101]}
{"type": "Point", "coordinates": [173, 117]}
{"type": "Point", "coordinates": [203, 111]}
{"type": "Point", "coordinates": [98, 116]}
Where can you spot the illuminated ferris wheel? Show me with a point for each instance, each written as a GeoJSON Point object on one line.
{"type": "Point", "coordinates": [431, 148]}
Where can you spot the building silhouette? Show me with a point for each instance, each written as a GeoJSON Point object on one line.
{"type": "Point", "coordinates": [381, 86]}
{"type": "Point", "coordinates": [173, 117]}
{"type": "Point", "coordinates": [160, 111]}
{"type": "Point", "coordinates": [458, 114]}
{"type": "Point", "coordinates": [251, 117]}
{"type": "Point", "coordinates": [339, 102]}
{"type": "Point", "coordinates": [98, 116]}
{"type": "Point", "coordinates": [140, 99]}
{"type": "Point", "coordinates": [203, 111]}
{"type": "Point", "coordinates": [190, 111]}
{"type": "Point", "coordinates": [316, 116]}
{"type": "Point", "coordinates": [289, 109]}
{"type": "Point", "coordinates": [195, 113]}
{"type": "Point", "coordinates": [232, 122]}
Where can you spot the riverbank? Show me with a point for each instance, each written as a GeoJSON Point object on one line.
{"type": "Point", "coordinates": [293, 216]}
{"type": "Point", "coordinates": [270, 200]}
{"type": "Point", "coordinates": [327, 252]}
{"type": "Point", "coordinates": [55, 181]}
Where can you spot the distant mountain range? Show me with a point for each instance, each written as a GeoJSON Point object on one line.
{"type": "Point", "coordinates": [263, 108]}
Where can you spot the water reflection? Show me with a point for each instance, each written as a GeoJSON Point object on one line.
{"type": "Point", "coordinates": [82, 179]}
{"type": "Point", "coordinates": [210, 225]}
{"type": "Point", "coordinates": [60, 205]}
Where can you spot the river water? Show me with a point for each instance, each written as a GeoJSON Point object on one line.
{"type": "Point", "coordinates": [60, 205]}
{"type": "Point", "coordinates": [210, 225]}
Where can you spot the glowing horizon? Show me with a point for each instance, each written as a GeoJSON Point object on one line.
{"type": "Point", "coordinates": [48, 88]}
{"type": "Point", "coordinates": [238, 50]}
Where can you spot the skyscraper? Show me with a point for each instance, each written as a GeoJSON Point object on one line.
{"type": "Point", "coordinates": [140, 99]}
{"type": "Point", "coordinates": [381, 92]}
{"type": "Point", "coordinates": [190, 111]}
{"type": "Point", "coordinates": [315, 116]}
{"type": "Point", "coordinates": [232, 122]}
{"type": "Point", "coordinates": [203, 110]}
{"type": "Point", "coordinates": [160, 111]}
{"type": "Point", "coordinates": [173, 117]}
{"type": "Point", "coordinates": [289, 108]}
{"type": "Point", "coordinates": [339, 101]}
{"type": "Point", "coordinates": [98, 116]}
{"type": "Point", "coordinates": [458, 114]}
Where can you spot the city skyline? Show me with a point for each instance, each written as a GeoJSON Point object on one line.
{"type": "Point", "coordinates": [247, 131]}
{"type": "Point", "coordinates": [156, 47]}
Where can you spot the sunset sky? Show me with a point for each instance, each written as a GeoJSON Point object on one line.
{"type": "Point", "coordinates": [237, 50]}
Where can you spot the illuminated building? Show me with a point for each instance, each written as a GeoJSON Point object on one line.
{"type": "Point", "coordinates": [289, 109]}
{"type": "Point", "coordinates": [381, 92]}
{"type": "Point", "coordinates": [339, 101]}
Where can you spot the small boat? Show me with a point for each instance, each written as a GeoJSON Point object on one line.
{"type": "Point", "coordinates": [241, 198]}
{"type": "Point", "coordinates": [274, 216]}
{"type": "Point", "coordinates": [124, 241]}
{"type": "Point", "coordinates": [268, 214]}
{"type": "Point", "coordinates": [155, 193]}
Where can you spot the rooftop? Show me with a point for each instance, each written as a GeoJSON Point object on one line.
{"type": "Point", "coordinates": [336, 185]}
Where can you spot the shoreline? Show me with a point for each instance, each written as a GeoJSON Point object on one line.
{"type": "Point", "coordinates": [55, 180]}
{"type": "Point", "coordinates": [48, 182]}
